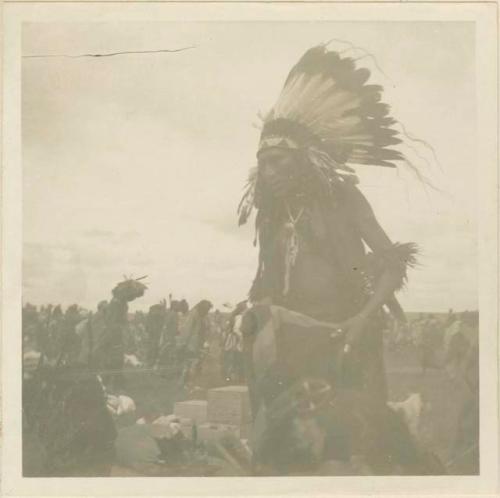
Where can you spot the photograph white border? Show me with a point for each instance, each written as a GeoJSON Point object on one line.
{"type": "Point", "coordinates": [484, 14]}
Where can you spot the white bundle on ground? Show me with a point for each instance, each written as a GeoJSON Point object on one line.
{"type": "Point", "coordinates": [411, 410]}
{"type": "Point", "coordinates": [166, 426]}
{"type": "Point", "coordinates": [31, 355]}
{"type": "Point", "coordinates": [132, 360]}
{"type": "Point", "coordinates": [120, 405]}
{"type": "Point", "coordinates": [30, 361]}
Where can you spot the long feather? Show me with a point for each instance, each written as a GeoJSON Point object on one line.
{"type": "Point", "coordinates": [326, 93]}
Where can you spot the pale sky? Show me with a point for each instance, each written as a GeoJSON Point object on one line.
{"type": "Point", "coordinates": [135, 164]}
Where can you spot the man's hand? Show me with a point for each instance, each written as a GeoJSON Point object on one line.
{"type": "Point", "coordinates": [354, 329]}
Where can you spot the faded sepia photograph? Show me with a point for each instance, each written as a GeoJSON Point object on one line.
{"type": "Point", "coordinates": [250, 248]}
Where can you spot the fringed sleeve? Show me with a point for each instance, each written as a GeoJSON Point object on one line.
{"type": "Point", "coordinates": [384, 255]}
{"type": "Point", "coordinates": [397, 259]}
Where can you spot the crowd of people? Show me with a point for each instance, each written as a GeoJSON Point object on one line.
{"type": "Point", "coordinates": [441, 341]}
{"type": "Point", "coordinates": [156, 338]}
{"type": "Point", "coordinates": [173, 341]}
{"type": "Point", "coordinates": [170, 338]}
{"type": "Point", "coordinates": [80, 355]}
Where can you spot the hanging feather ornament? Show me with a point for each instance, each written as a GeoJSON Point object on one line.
{"type": "Point", "coordinates": [292, 246]}
{"type": "Point", "coordinates": [247, 201]}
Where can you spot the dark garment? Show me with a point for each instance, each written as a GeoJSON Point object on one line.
{"type": "Point", "coordinates": [74, 425]}
{"type": "Point", "coordinates": [154, 326]}
{"type": "Point", "coordinates": [232, 368]}
{"type": "Point", "coordinates": [172, 323]}
{"type": "Point", "coordinates": [112, 367]}
{"type": "Point", "coordinates": [194, 331]}
{"type": "Point", "coordinates": [111, 350]}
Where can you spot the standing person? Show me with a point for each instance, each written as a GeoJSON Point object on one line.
{"type": "Point", "coordinates": [450, 318]}
{"type": "Point", "coordinates": [102, 336]}
{"type": "Point", "coordinates": [171, 325]}
{"type": "Point", "coordinates": [169, 334]}
{"type": "Point", "coordinates": [42, 329]}
{"type": "Point", "coordinates": [313, 224]}
{"type": "Point", "coordinates": [416, 329]}
{"type": "Point", "coordinates": [460, 339]}
{"type": "Point", "coordinates": [430, 343]}
{"type": "Point", "coordinates": [232, 361]}
{"type": "Point", "coordinates": [112, 349]}
{"type": "Point", "coordinates": [154, 325]}
{"type": "Point", "coordinates": [55, 331]}
{"type": "Point", "coordinates": [69, 342]}
{"type": "Point", "coordinates": [426, 344]}
{"type": "Point", "coordinates": [218, 321]}
{"type": "Point", "coordinates": [30, 320]}
{"type": "Point", "coordinates": [90, 332]}
{"type": "Point", "coordinates": [312, 220]}
{"type": "Point", "coordinates": [192, 339]}
{"type": "Point", "coordinates": [183, 307]}
{"type": "Point", "coordinates": [462, 367]}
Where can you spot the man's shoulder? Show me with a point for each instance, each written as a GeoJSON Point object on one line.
{"type": "Point", "coordinates": [352, 200]}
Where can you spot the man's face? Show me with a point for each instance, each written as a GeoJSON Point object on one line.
{"type": "Point", "coordinates": [278, 169]}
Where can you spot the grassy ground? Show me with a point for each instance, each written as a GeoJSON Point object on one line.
{"type": "Point", "coordinates": [440, 396]}
{"type": "Point", "coordinates": [155, 395]}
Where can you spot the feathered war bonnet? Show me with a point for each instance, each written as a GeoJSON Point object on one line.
{"type": "Point", "coordinates": [327, 109]}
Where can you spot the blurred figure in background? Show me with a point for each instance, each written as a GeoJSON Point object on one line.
{"type": "Point", "coordinates": [431, 340]}
{"type": "Point", "coordinates": [104, 337]}
{"type": "Point", "coordinates": [30, 321]}
{"type": "Point", "coordinates": [462, 366]}
{"type": "Point", "coordinates": [90, 332]}
{"type": "Point", "coordinates": [218, 325]}
{"type": "Point", "coordinates": [69, 342]}
{"type": "Point", "coordinates": [167, 356]}
{"type": "Point", "coordinates": [54, 336]}
{"type": "Point", "coordinates": [232, 356]}
{"type": "Point", "coordinates": [154, 325]}
{"type": "Point", "coordinates": [192, 339]}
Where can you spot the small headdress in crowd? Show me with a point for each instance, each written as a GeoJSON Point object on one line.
{"type": "Point", "coordinates": [130, 288]}
{"type": "Point", "coordinates": [328, 109]}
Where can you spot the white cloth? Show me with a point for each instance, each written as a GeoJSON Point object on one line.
{"type": "Point", "coordinates": [131, 359]}
{"type": "Point", "coordinates": [166, 426]}
{"type": "Point", "coordinates": [120, 405]}
{"type": "Point", "coordinates": [411, 409]}
{"type": "Point", "coordinates": [234, 339]}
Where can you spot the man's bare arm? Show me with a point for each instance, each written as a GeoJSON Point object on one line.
{"type": "Point", "coordinates": [390, 279]}
{"type": "Point", "coordinates": [389, 261]}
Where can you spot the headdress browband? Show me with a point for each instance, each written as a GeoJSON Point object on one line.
{"type": "Point", "coordinates": [288, 134]}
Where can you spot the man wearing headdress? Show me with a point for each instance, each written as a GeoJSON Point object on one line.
{"type": "Point", "coordinates": [315, 279]}
{"type": "Point", "coordinates": [103, 335]}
